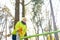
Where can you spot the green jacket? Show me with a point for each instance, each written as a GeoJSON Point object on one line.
{"type": "Point", "coordinates": [20, 28]}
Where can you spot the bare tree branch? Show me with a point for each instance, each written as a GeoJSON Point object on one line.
{"type": "Point", "coordinates": [28, 3]}
{"type": "Point", "coordinates": [5, 9]}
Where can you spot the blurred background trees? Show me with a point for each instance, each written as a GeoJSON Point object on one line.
{"type": "Point", "coordinates": [41, 16]}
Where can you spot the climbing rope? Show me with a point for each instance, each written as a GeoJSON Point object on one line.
{"type": "Point", "coordinates": [41, 34]}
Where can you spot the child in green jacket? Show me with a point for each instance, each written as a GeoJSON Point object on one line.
{"type": "Point", "coordinates": [20, 28]}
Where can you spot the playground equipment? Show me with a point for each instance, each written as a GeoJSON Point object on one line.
{"type": "Point", "coordinates": [46, 33]}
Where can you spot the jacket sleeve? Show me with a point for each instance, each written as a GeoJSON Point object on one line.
{"type": "Point", "coordinates": [17, 26]}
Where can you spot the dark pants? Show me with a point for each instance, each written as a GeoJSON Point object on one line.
{"type": "Point", "coordinates": [13, 37]}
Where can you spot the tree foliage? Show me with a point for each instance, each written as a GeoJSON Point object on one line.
{"type": "Point", "coordinates": [37, 19]}
{"type": "Point", "coordinates": [37, 11]}
{"type": "Point", "coordinates": [37, 7]}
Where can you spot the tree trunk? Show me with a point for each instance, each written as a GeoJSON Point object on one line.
{"type": "Point", "coordinates": [55, 28]}
{"type": "Point", "coordinates": [50, 30]}
{"type": "Point", "coordinates": [23, 9]}
{"type": "Point", "coordinates": [16, 12]}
